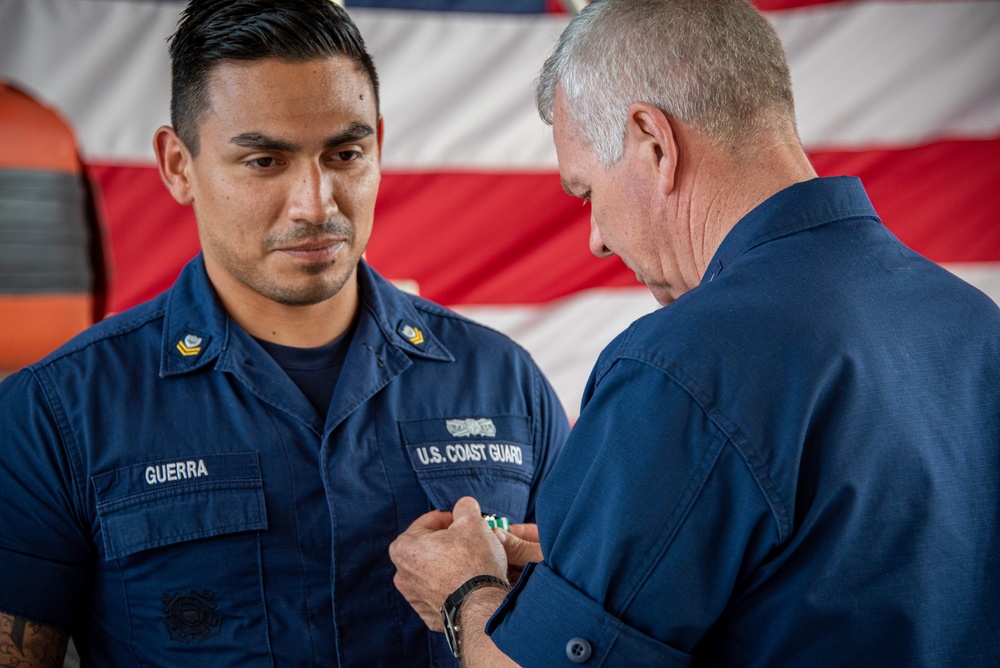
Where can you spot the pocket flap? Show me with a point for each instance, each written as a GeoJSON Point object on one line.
{"type": "Point", "coordinates": [491, 459]}
{"type": "Point", "coordinates": [170, 501]}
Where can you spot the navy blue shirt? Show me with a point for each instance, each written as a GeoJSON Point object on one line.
{"type": "Point", "coordinates": [796, 463]}
{"type": "Point", "coordinates": [313, 370]}
{"type": "Point", "coordinates": [172, 498]}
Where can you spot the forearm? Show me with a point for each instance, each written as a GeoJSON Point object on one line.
{"type": "Point", "coordinates": [477, 650]}
{"type": "Point", "coordinates": [29, 645]}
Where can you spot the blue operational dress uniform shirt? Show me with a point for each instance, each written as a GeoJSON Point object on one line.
{"type": "Point", "coordinates": [797, 463]}
{"type": "Point", "coordinates": [171, 497]}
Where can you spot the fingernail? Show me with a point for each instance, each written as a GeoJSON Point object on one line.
{"type": "Point", "coordinates": [501, 534]}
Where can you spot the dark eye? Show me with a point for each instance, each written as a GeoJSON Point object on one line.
{"type": "Point", "coordinates": [262, 163]}
{"type": "Point", "coordinates": [348, 156]}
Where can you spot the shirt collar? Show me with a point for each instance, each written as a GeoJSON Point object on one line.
{"type": "Point", "coordinates": [799, 207]}
{"type": "Point", "coordinates": [195, 326]}
{"type": "Point", "coordinates": [197, 330]}
{"type": "Point", "coordinates": [395, 312]}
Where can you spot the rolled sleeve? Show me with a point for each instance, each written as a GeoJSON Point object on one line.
{"type": "Point", "coordinates": [648, 526]}
{"type": "Point", "coordinates": [546, 621]}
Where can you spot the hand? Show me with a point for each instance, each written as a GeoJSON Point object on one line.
{"type": "Point", "coordinates": [439, 552]}
{"type": "Point", "coordinates": [521, 546]}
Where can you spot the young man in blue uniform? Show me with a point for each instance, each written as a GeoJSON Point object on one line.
{"type": "Point", "coordinates": [214, 477]}
{"type": "Point", "coordinates": [795, 462]}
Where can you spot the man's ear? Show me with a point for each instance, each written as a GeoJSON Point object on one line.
{"type": "Point", "coordinates": [174, 160]}
{"type": "Point", "coordinates": [651, 134]}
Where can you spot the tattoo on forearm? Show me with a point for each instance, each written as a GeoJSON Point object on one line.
{"type": "Point", "coordinates": [25, 644]}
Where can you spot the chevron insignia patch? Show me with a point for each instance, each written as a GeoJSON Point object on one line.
{"type": "Point", "coordinates": [411, 334]}
{"type": "Point", "coordinates": [190, 345]}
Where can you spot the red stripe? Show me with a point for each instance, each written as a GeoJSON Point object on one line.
{"type": "Point", "coordinates": [483, 238]}
{"type": "Point", "coordinates": [940, 199]}
{"type": "Point", "coordinates": [151, 236]}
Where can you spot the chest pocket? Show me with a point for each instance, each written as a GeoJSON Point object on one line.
{"type": "Point", "coordinates": [491, 459]}
{"type": "Point", "coordinates": [181, 543]}
{"type": "Point", "coordinates": [160, 503]}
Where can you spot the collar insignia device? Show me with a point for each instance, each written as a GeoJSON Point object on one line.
{"type": "Point", "coordinates": [189, 345]}
{"type": "Point", "coordinates": [411, 334]}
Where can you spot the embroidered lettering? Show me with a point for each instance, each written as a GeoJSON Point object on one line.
{"type": "Point", "coordinates": [175, 471]}
{"type": "Point", "coordinates": [431, 455]}
{"type": "Point", "coordinates": [466, 452]}
{"type": "Point", "coordinates": [506, 453]}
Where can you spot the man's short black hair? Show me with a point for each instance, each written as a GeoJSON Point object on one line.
{"type": "Point", "coordinates": [214, 31]}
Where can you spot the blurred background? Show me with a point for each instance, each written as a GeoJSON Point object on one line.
{"type": "Point", "coordinates": [904, 94]}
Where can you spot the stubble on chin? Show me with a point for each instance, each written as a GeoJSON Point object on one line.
{"type": "Point", "coordinates": [314, 292]}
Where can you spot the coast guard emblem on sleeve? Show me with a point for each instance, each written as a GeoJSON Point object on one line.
{"type": "Point", "coordinates": [471, 427]}
{"type": "Point", "coordinates": [191, 617]}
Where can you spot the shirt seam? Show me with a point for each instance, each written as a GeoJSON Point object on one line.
{"type": "Point", "coordinates": [67, 443]}
{"type": "Point", "coordinates": [730, 430]}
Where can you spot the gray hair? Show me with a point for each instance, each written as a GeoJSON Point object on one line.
{"type": "Point", "coordinates": [715, 64]}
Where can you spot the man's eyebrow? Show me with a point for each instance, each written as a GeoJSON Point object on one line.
{"type": "Point", "coordinates": [258, 141]}
{"type": "Point", "coordinates": [568, 188]}
{"type": "Point", "coordinates": [354, 132]}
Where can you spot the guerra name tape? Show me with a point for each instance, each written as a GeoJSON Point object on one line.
{"type": "Point", "coordinates": [175, 471]}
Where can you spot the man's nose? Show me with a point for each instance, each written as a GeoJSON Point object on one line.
{"type": "Point", "coordinates": [597, 246]}
{"type": "Point", "coordinates": [312, 199]}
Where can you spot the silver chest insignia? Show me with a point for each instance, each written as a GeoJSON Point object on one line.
{"type": "Point", "coordinates": [471, 427]}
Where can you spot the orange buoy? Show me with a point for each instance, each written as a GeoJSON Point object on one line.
{"type": "Point", "coordinates": [53, 267]}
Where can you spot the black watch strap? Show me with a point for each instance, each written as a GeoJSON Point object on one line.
{"type": "Point", "coordinates": [449, 611]}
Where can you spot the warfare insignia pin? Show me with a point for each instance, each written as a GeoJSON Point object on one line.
{"type": "Point", "coordinates": [471, 427]}
{"type": "Point", "coordinates": [191, 617]}
{"type": "Point", "coordinates": [189, 345]}
{"type": "Point", "coordinates": [411, 334]}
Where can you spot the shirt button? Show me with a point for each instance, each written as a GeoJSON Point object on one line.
{"type": "Point", "coordinates": [578, 650]}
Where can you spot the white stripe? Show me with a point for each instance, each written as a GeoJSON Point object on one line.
{"type": "Point", "coordinates": [102, 63]}
{"type": "Point", "coordinates": [565, 337]}
{"type": "Point", "coordinates": [893, 74]}
{"type": "Point", "coordinates": [457, 92]}
{"type": "Point", "coordinates": [458, 89]}
{"type": "Point", "coordinates": [983, 275]}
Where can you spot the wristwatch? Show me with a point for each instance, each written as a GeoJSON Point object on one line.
{"type": "Point", "coordinates": [449, 611]}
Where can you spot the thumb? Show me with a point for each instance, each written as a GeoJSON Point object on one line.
{"type": "Point", "coordinates": [466, 506]}
{"type": "Point", "coordinates": [519, 551]}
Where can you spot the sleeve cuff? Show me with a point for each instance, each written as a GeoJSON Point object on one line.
{"type": "Point", "coordinates": [546, 621]}
{"type": "Point", "coordinates": [39, 590]}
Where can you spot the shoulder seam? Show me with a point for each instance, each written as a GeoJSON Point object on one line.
{"type": "Point", "coordinates": [71, 349]}
{"type": "Point", "coordinates": [731, 431]}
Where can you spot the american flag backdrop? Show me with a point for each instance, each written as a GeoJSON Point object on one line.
{"type": "Point", "coordinates": [904, 94]}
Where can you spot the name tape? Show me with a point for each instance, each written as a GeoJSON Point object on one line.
{"type": "Point", "coordinates": [175, 471]}
{"type": "Point", "coordinates": [456, 453]}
